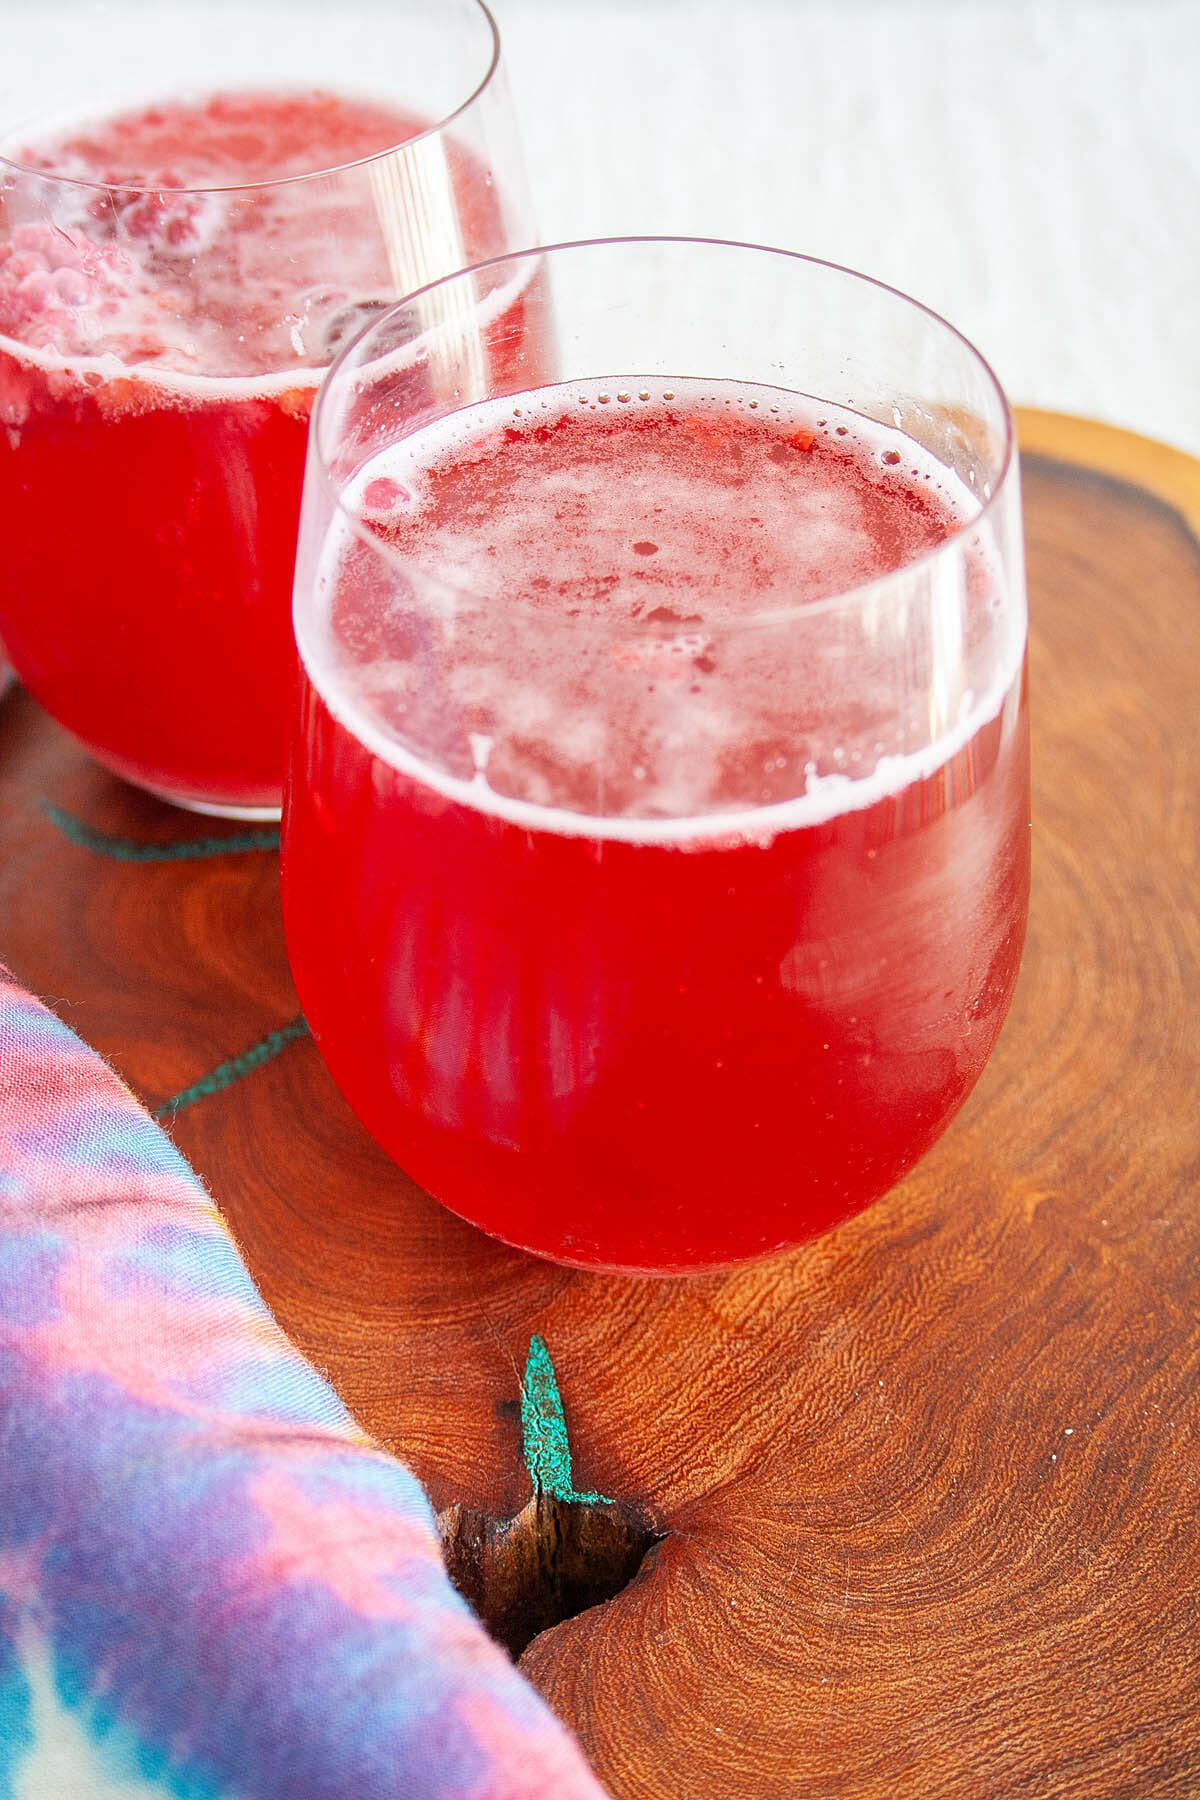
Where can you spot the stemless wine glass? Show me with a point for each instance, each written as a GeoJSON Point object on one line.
{"type": "Point", "coordinates": [656, 838]}
{"type": "Point", "coordinates": [199, 204]}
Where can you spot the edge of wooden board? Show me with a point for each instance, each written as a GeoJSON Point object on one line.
{"type": "Point", "coordinates": [1170, 474]}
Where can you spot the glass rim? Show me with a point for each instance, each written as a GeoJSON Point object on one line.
{"type": "Point", "coordinates": [859, 594]}
{"type": "Point", "coordinates": [272, 182]}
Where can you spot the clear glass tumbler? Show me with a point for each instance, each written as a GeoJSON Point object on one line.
{"type": "Point", "coordinates": [656, 844]}
{"type": "Point", "coordinates": [199, 205]}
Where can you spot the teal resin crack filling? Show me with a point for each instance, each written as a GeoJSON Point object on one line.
{"type": "Point", "coordinates": [129, 850]}
{"type": "Point", "coordinates": [544, 1431]}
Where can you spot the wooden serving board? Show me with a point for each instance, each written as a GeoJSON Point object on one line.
{"type": "Point", "coordinates": [928, 1490]}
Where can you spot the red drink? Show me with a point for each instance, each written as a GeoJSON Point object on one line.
{"type": "Point", "coordinates": [634, 939]}
{"type": "Point", "coordinates": [159, 353]}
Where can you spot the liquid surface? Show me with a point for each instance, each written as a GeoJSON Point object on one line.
{"type": "Point", "coordinates": [237, 280]}
{"type": "Point", "coordinates": [622, 601]}
{"type": "Point", "coordinates": [632, 501]}
{"type": "Point", "coordinates": [221, 141]}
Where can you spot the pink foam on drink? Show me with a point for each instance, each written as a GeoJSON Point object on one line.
{"type": "Point", "coordinates": [224, 140]}
{"type": "Point", "coordinates": [56, 290]}
{"type": "Point", "coordinates": [162, 251]}
{"type": "Point", "coordinates": [624, 567]}
{"type": "Point", "coordinates": [606, 487]}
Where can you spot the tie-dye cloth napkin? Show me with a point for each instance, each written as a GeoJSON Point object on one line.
{"type": "Point", "coordinates": [212, 1585]}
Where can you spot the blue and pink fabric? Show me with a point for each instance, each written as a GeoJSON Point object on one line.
{"type": "Point", "coordinates": [212, 1585]}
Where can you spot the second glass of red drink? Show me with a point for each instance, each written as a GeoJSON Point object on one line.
{"type": "Point", "coordinates": [177, 269]}
{"type": "Point", "coordinates": [656, 843]}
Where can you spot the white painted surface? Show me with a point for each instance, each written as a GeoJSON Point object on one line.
{"type": "Point", "coordinates": [1030, 168]}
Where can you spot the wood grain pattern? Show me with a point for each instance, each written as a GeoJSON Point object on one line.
{"type": "Point", "coordinates": [930, 1487]}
